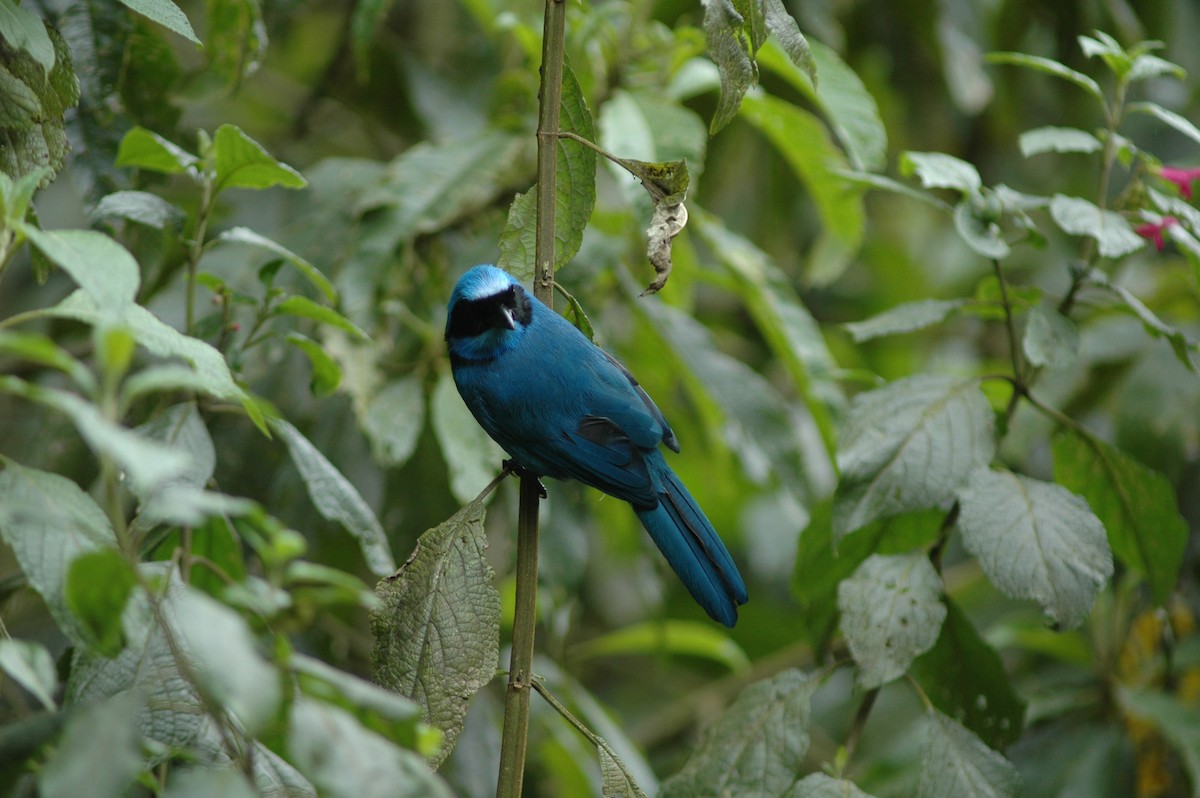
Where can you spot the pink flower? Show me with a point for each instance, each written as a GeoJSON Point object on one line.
{"type": "Point", "coordinates": [1181, 177]}
{"type": "Point", "coordinates": [1154, 230]}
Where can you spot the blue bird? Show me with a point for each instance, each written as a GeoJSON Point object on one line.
{"type": "Point", "coordinates": [563, 407]}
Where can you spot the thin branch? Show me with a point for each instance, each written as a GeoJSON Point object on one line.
{"type": "Point", "coordinates": [860, 722]}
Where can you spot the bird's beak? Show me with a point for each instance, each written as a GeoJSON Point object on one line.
{"type": "Point", "coordinates": [507, 315]}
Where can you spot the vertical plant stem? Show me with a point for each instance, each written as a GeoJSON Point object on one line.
{"type": "Point", "coordinates": [196, 251]}
{"type": "Point", "coordinates": [516, 705]}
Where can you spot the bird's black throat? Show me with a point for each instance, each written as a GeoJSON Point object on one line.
{"type": "Point", "coordinates": [471, 317]}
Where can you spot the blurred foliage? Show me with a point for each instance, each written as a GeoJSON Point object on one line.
{"type": "Point", "coordinates": [928, 344]}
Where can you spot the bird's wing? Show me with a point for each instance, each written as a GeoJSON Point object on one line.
{"type": "Point", "coordinates": [668, 436]}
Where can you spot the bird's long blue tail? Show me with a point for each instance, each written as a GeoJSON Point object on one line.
{"type": "Point", "coordinates": [692, 548]}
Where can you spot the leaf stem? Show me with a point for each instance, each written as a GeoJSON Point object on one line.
{"type": "Point", "coordinates": [580, 726]}
{"type": "Point", "coordinates": [860, 722]}
{"type": "Point", "coordinates": [516, 705]}
{"type": "Point", "coordinates": [1014, 349]}
{"type": "Point", "coordinates": [196, 250]}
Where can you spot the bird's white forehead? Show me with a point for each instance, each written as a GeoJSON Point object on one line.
{"type": "Point", "coordinates": [483, 282]}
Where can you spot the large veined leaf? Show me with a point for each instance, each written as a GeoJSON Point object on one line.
{"type": "Point", "coordinates": [908, 446]}
{"type": "Point", "coordinates": [99, 753]}
{"type": "Point", "coordinates": [34, 103]}
{"type": "Point", "coordinates": [167, 14]}
{"type": "Point", "coordinates": [956, 763]}
{"type": "Point", "coordinates": [437, 635]}
{"type": "Point", "coordinates": [820, 785]}
{"type": "Point", "coordinates": [1110, 230]}
{"type": "Point", "coordinates": [1035, 540]}
{"type": "Point", "coordinates": [891, 614]}
{"type": "Point", "coordinates": [756, 747]}
{"type": "Point", "coordinates": [1137, 506]}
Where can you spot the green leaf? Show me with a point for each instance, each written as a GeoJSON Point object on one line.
{"type": "Point", "coordinates": [30, 665]}
{"type": "Point", "coordinates": [244, 235]}
{"type": "Point", "coordinates": [32, 116]}
{"type": "Point", "coordinates": [472, 457]}
{"type": "Point", "coordinates": [905, 318]}
{"type": "Point", "coordinates": [821, 566]}
{"type": "Point", "coordinates": [437, 636]}
{"type": "Point", "coordinates": [575, 314]}
{"type": "Point", "coordinates": [1057, 139]}
{"type": "Point", "coordinates": [225, 659]}
{"type": "Point", "coordinates": [99, 754]}
{"type": "Point", "coordinates": [842, 99]}
{"type": "Point", "coordinates": [345, 760]}
{"type": "Point", "coordinates": [336, 499]}
{"type": "Point", "coordinates": [367, 18]}
{"type": "Point", "coordinates": [37, 348]}
{"type": "Point", "coordinates": [781, 24]}
{"type": "Point", "coordinates": [1035, 540]}
{"type": "Point", "coordinates": [1137, 506]}
{"type": "Point", "coordinates": [965, 678]}
{"type": "Point", "coordinates": [1111, 231]}
{"type": "Point", "coordinates": [1180, 343]}
{"type": "Point", "coordinates": [891, 614]}
{"type": "Point", "coordinates": [167, 14]}
{"type": "Point", "coordinates": [24, 30]}
{"type": "Point", "coordinates": [394, 418]}
{"type": "Point", "coordinates": [97, 587]}
{"type": "Point", "coordinates": [241, 162]}
{"type": "Point", "coordinates": [145, 149]}
{"type": "Point", "coordinates": [139, 206]}
{"type": "Point", "coordinates": [574, 191]}
{"type": "Point", "coordinates": [956, 763]}
{"type": "Point", "coordinates": [48, 521]}
{"type": "Point", "coordinates": [908, 446]}
{"type": "Point", "coordinates": [97, 264]}
{"type": "Point", "coordinates": [733, 53]}
{"type": "Point", "coordinates": [306, 308]}
{"type": "Point", "coordinates": [615, 781]}
{"type": "Point", "coordinates": [756, 747]}
{"type": "Point", "coordinates": [939, 170]}
{"type": "Point", "coordinates": [1049, 67]}
{"type": "Point", "coordinates": [1179, 123]}
{"type": "Point", "coordinates": [654, 638]}
{"type": "Point", "coordinates": [977, 226]}
{"type": "Point", "coordinates": [1051, 340]}
{"type": "Point", "coordinates": [804, 143]}
{"type": "Point", "coordinates": [1146, 66]}
{"type": "Point", "coordinates": [819, 785]}
{"type": "Point", "coordinates": [207, 782]}
{"type": "Point", "coordinates": [326, 374]}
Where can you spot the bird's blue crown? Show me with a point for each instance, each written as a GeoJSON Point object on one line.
{"type": "Point", "coordinates": [481, 282]}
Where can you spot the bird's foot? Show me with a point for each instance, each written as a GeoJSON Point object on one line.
{"type": "Point", "coordinates": [513, 467]}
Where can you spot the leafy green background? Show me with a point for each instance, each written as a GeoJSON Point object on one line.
{"type": "Point", "coordinates": [226, 411]}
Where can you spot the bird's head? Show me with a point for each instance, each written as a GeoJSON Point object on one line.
{"type": "Point", "coordinates": [488, 314]}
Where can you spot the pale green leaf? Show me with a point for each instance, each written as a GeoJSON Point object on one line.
{"type": "Point", "coordinates": [905, 318]}
{"type": "Point", "coordinates": [437, 636]}
{"type": "Point", "coordinates": [1035, 540]}
{"type": "Point", "coordinates": [1179, 123]}
{"type": "Point", "coordinates": [138, 206]}
{"type": "Point", "coordinates": [956, 763]}
{"type": "Point", "coordinates": [98, 586]}
{"type": "Point", "coordinates": [394, 418]}
{"type": "Point", "coordinates": [1057, 139]}
{"type": "Point", "coordinates": [244, 235]}
{"type": "Point", "coordinates": [939, 170]}
{"type": "Point", "coordinates": [1049, 67]}
{"type": "Point", "coordinates": [1146, 66]}
{"type": "Point", "coordinates": [208, 782]}
{"type": "Point", "coordinates": [472, 457]}
{"type": "Point", "coordinates": [336, 499]}
{"type": "Point", "coordinates": [225, 660]}
{"type": "Point", "coordinates": [755, 747]}
{"type": "Point", "coordinates": [1172, 717]}
{"type": "Point", "coordinates": [518, 242]}
{"type": "Point", "coordinates": [733, 52]}
{"type": "Point", "coordinates": [615, 781]}
{"type": "Point", "coordinates": [241, 162]}
{"type": "Point", "coordinates": [819, 785]}
{"type": "Point", "coordinates": [304, 307]}
{"type": "Point", "coordinates": [167, 14]}
{"type": "Point", "coordinates": [97, 264]}
{"type": "Point", "coordinates": [1111, 231]}
{"type": "Point", "coordinates": [40, 349]}
{"type": "Point", "coordinates": [48, 522]}
{"type": "Point", "coordinates": [99, 754]}
{"type": "Point", "coordinates": [326, 374]}
{"type": "Point", "coordinates": [908, 446]}
{"type": "Point", "coordinates": [30, 665]}
{"type": "Point", "coordinates": [891, 614]}
{"type": "Point", "coordinates": [346, 760]}
{"type": "Point", "coordinates": [785, 30]}
{"type": "Point", "coordinates": [145, 149]}
{"type": "Point", "coordinates": [979, 230]}
{"type": "Point", "coordinates": [1051, 340]}
{"type": "Point", "coordinates": [1137, 506]}
{"type": "Point", "coordinates": [1180, 343]}
{"type": "Point", "coordinates": [24, 30]}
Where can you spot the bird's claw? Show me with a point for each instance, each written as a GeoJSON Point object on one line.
{"type": "Point", "coordinates": [513, 467]}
